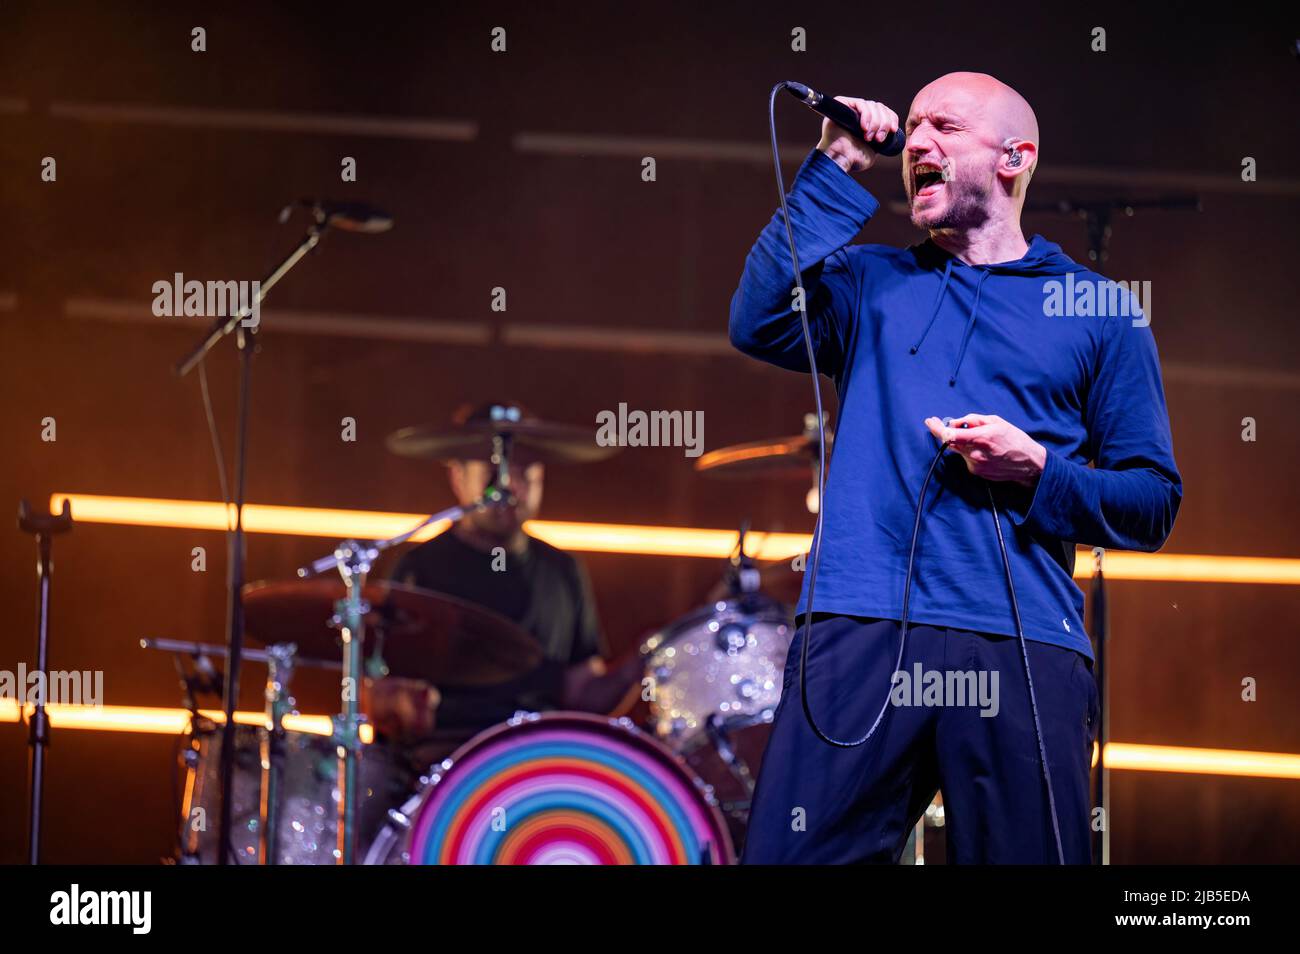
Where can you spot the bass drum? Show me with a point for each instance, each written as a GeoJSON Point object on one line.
{"type": "Point", "coordinates": [558, 788]}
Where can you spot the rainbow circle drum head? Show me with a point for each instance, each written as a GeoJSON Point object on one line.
{"type": "Point", "coordinates": [565, 788]}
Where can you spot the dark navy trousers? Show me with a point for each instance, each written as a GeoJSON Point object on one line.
{"type": "Point", "coordinates": [817, 804]}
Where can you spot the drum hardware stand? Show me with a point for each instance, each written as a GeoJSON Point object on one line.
{"type": "Point", "coordinates": [245, 342]}
{"type": "Point", "coordinates": [932, 817]}
{"type": "Point", "coordinates": [212, 650]}
{"type": "Point", "coordinates": [721, 739]}
{"type": "Point", "coordinates": [44, 527]}
{"type": "Point", "coordinates": [279, 674]}
{"type": "Point", "coordinates": [742, 579]}
{"type": "Point", "coordinates": [209, 680]}
{"type": "Point", "coordinates": [813, 433]}
{"type": "Point", "coordinates": [204, 680]}
{"type": "Point", "coordinates": [742, 576]}
{"type": "Point", "coordinates": [1101, 781]}
{"type": "Point", "coordinates": [353, 560]}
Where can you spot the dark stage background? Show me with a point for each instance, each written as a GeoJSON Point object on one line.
{"type": "Point", "coordinates": [524, 171]}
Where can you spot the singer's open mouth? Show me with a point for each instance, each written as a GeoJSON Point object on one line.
{"type": "Point", "coordinates": [927, 178]}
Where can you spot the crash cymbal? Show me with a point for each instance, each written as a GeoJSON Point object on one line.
{"type": "Point", "coordinates": [532, 440]}
{"type": "Point", "coordinates": [785, 457]}
{"type": "Point", "coordinates": [419, 633]}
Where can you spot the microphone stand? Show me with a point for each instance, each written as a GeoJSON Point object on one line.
{"type": "Point", "coordinates": [44, 526]}
{"type": "Point", "coordinates": [244, 340]}
{"type": "Point", "coordinates": [1097, 214]}
{"type": "Point", "coordinates": [1101, 781]}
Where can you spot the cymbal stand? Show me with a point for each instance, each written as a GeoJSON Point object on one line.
{"type": "Point", "coordinates": [279, 703]}
{"type": "Point", "coordinates": [353, 560]}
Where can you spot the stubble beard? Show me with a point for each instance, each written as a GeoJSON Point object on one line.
{"type": "Point", "coordinates": [967, 208]}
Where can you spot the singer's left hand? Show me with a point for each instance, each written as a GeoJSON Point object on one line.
{"type": "Point", "coordinates": [993, 448]}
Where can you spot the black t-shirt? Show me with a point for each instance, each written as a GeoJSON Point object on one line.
{"type": "Point", "coordinates": [545, 590]}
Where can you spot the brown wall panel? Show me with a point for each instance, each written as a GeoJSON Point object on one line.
{"type": "Point", "coordinates": [580, 240]}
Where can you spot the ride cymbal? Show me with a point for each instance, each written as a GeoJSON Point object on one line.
{"type": "Point", "coordinates": [531, 440]}
{"type": "Point", "coordinates": [420, 634]}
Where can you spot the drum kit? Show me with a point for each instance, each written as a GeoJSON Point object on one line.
{"type": "Point", "coordinates": [555, 787]}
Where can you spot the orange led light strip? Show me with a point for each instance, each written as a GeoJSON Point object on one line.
{"type": "Point", "coordinates": [619, 538]}
{"type": "Point", "coordinates": [1123, 756]}
{"type": "Point", "coordinates": [159, 721]}
{"type": "Point", "coordinates": [1172, 758]}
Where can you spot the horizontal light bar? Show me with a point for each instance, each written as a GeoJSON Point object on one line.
{"type": "Point", "coordinates": [258, 518]}
{"type": "Point", "coordinates": [1170, 758]}
{"type": "Point", "coordinates": [665, 541]}
{"type": "Point", "coordinates": [1189, 567]}
{"type": "Point", "coordinates": [160, 721]}
{"type": "Point", "coordinates": [378, 525]}
{"type": "Point", "coordinates": [619, 538]}
{"type": "Point", "coordinates": [1119, 755]}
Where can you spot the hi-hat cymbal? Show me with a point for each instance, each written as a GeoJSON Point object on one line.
{"type": "Point", "coordinates": [786, 457]}
{"type": "Point", "coordinates": [532, 440]}
{"type": "Point", "coordinates": [420, 634]}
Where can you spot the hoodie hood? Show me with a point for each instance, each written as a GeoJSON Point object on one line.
{"type": "Point", "coordinates": [1041, 258]}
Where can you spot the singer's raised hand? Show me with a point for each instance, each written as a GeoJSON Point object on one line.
{"type": "Point", "coordinates": [878, 123]}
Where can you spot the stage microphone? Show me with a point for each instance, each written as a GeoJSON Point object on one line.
{"type": "Point", "coordinates": [844, 117]}
{"type": "Point", "coordinates": [209, 679]}
{"type": "Point", "coordinates": [348, 216]}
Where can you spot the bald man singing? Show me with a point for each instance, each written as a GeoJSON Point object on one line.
{"type": "Point", "coordinates": [1059, 436]}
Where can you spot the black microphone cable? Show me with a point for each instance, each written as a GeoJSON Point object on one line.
{"type": "Point", "coordinates": [801, 300]}
{"type": "Point", "coordinates": [1029, 679]}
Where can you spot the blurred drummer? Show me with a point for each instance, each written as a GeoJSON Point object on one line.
{"type": "Point", "coordinates": [486, 558]}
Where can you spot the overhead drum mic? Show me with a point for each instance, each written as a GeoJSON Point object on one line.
{"type": "Point", "coordinates": [348, 216]}
{"type": "Point", "coordinates": [844, 117]}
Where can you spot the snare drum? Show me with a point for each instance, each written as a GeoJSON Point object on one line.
{"type": "Point", "coordinates": [559, 788]}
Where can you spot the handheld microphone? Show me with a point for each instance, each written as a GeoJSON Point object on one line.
{"type": "Point", "coordinates": [844, 117]}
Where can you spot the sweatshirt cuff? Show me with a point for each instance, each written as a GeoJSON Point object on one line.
{"type": "Point", "coordinates": [821, 171]}
{"type": "Point", "coordinates": [1035, 509]}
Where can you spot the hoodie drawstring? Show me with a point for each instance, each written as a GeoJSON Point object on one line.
{"type": "Point", "coordinates": [970, 326]}
{"type": "Point", "coordinates": [943, 287]}
{"type": "Point", "coordinates": [970, 322]}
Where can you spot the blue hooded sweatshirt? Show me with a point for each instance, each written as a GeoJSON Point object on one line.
{"type": "Point", "coordinates": [912, 333]}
